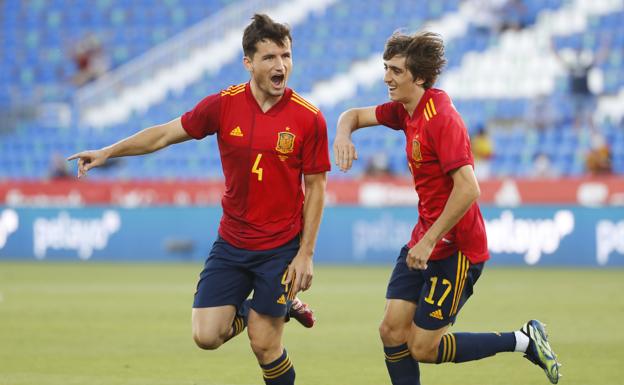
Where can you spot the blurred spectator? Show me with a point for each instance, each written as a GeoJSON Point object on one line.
{"type": "Point", "coordinates": [485, 15]}
{"type": "Point", "coordinates": [543, 167]}
{"type": "Point", "coordinates": [579, 63]}
{"type": "Point", "coordinates": [513, 15]}
{"type": "Point", "coordinates": [541, 114]}
{"type": "Point", "coordinates": [483, 150]}
{"type": "Point", "coordinates": [90, 60]}
{"type": "Point", "coordinates": [378, 165]}
{"type": "Point", "coordinates": [496, 16]}
{"type": "Point", "coordinates": [58, 167]}
{"type": "Point", "coordinates": [598, 159]}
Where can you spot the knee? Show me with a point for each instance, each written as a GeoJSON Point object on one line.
{"type": "Point", "coordinates": [208, 340]}
{"type": "Point", "coordinates": [424, 352]}
{"type": "Point", "coordinates": [392, 334]}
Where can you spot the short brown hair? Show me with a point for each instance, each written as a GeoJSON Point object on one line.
{"type": "Point", "coordinates": [264, 28]}
{"type": "Point", "coordinates": [423, 51]}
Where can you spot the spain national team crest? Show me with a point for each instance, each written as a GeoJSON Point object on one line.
{"type": "Point", "coordinates": [416, 154]}
{"type": "Point", "coordinates": [285, 142]}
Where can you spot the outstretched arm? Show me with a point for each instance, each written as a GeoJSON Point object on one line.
{"type": "Point", "coordinates": [349, 121]}
{"type": "Point", "coordinates": [301, 266]}
{"type": "Point", "coordinates": [148, 140]}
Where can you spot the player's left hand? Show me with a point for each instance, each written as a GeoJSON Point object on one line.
{"type": "Point", "coordinates": [344, 153]}
{"type": "Point", "coordinates": [300, 272]}
{"type": "Point", "coordinates": [418, 255]}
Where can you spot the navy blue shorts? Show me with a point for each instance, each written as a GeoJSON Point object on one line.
{"type": "Point", "coordinates": [440, 291]}
{"type": "Point", "coordinates": [230, 274]}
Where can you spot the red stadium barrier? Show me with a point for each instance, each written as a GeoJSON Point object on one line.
{"type": "Point", "coordinates": [370, 192]}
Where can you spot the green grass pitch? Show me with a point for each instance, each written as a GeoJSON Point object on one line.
{"type": "Point", "coordinates": [109, 324]}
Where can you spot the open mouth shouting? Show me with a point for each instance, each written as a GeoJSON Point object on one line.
{"type": "Point", "coordinates": [278, 81]}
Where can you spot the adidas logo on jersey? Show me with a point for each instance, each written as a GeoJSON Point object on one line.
{"type": "Point", "coordinates": [436, 314]}
{"type": "Point", "coordinates": [236, 132]}
{"type": "Point", "coordinates": [282, 300]}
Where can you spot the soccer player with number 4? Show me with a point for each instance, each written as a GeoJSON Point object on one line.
{"type": "Point", "coordinates": [270, 139]}
{"type": "Point", "coordinates": [435, 272]}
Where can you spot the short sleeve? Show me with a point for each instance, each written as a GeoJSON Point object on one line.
{"type": "Point", "coordinates": [203, 119]}
{"type": "Point", "coordinates": [315, 152]}
{"type": "Point", "coordinates": [452, 143]}
{"type": "Point", "coordinates": [391, 115]}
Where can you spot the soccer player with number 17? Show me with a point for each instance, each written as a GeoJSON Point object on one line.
{"type": "Point", "coordinates": [435, 272]}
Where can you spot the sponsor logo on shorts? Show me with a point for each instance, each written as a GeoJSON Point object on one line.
{"type": "Point", "coordinates": [436, 314]}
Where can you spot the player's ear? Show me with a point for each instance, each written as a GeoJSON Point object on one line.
{"type": "Point", "coordinates": [419, 82]}
{"type": "Point", "coordinates": [247, 63]}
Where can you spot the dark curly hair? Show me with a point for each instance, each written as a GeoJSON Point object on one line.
{"type": "Point", "coordinates": [423, 52]}
{"type": "Point", "coordinates": [264, 28]}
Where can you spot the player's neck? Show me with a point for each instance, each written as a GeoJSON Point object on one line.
{"type": "Point", "coordinates": [265, 100]}
{"type": "Point", "coordinates": [411, 104]}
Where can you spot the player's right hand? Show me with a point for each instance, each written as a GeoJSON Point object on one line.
{"type": "Point", "coordinates": [89, 159]}
{"type": "Point", "coordinates": [344, 153]}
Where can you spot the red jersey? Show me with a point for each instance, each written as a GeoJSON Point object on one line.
{"type": "Point", "coordinates": [264, 155]}
{"type": "Point", "coordinates": [437, 143]}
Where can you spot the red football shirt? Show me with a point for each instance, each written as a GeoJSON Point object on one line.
{"type": "Point", "coordinates": [264, 155]}
{"type": "Point", "coordinates": [437, 143]}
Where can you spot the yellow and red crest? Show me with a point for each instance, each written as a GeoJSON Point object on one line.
{"type": "Point", "coordinates": [416, 154]}
{"type": "Point", "coordinates": [285, 142]}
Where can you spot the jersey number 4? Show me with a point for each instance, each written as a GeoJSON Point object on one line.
{"type": "Point", "coordinates": [257, 170]}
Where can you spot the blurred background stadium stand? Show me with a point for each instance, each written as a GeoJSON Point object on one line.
{"type": "Point", "coordinates": [502, 73]}
{"type": "Point", "coordinates": [540, 85]}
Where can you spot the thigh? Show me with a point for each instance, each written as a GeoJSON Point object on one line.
{"type": "Point", "coordinates": [399, 313]}
{"type": "Point", "coordinates": [448, 285]}
{"type": "Point", "coordinates": [397, 321]}
{"type": "Point", "coordinates": [212, 321]}
{"type": "Point", "coordinates": [404, 283]}
{"type": "Point", "coordinates": [224, 280]}
{"type": "Point", "coordinates": [272, 294]}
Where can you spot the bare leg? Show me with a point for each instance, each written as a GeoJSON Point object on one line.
{"type": "Point", "coordinates": [212, 326]}
{"type": "Point", "coordinates": [394, 332]}
{"type": "Point", "coordinates": [265, 335]}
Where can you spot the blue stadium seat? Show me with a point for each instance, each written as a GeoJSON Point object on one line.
{"type": "Point", "coordinates": [35, 55]}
